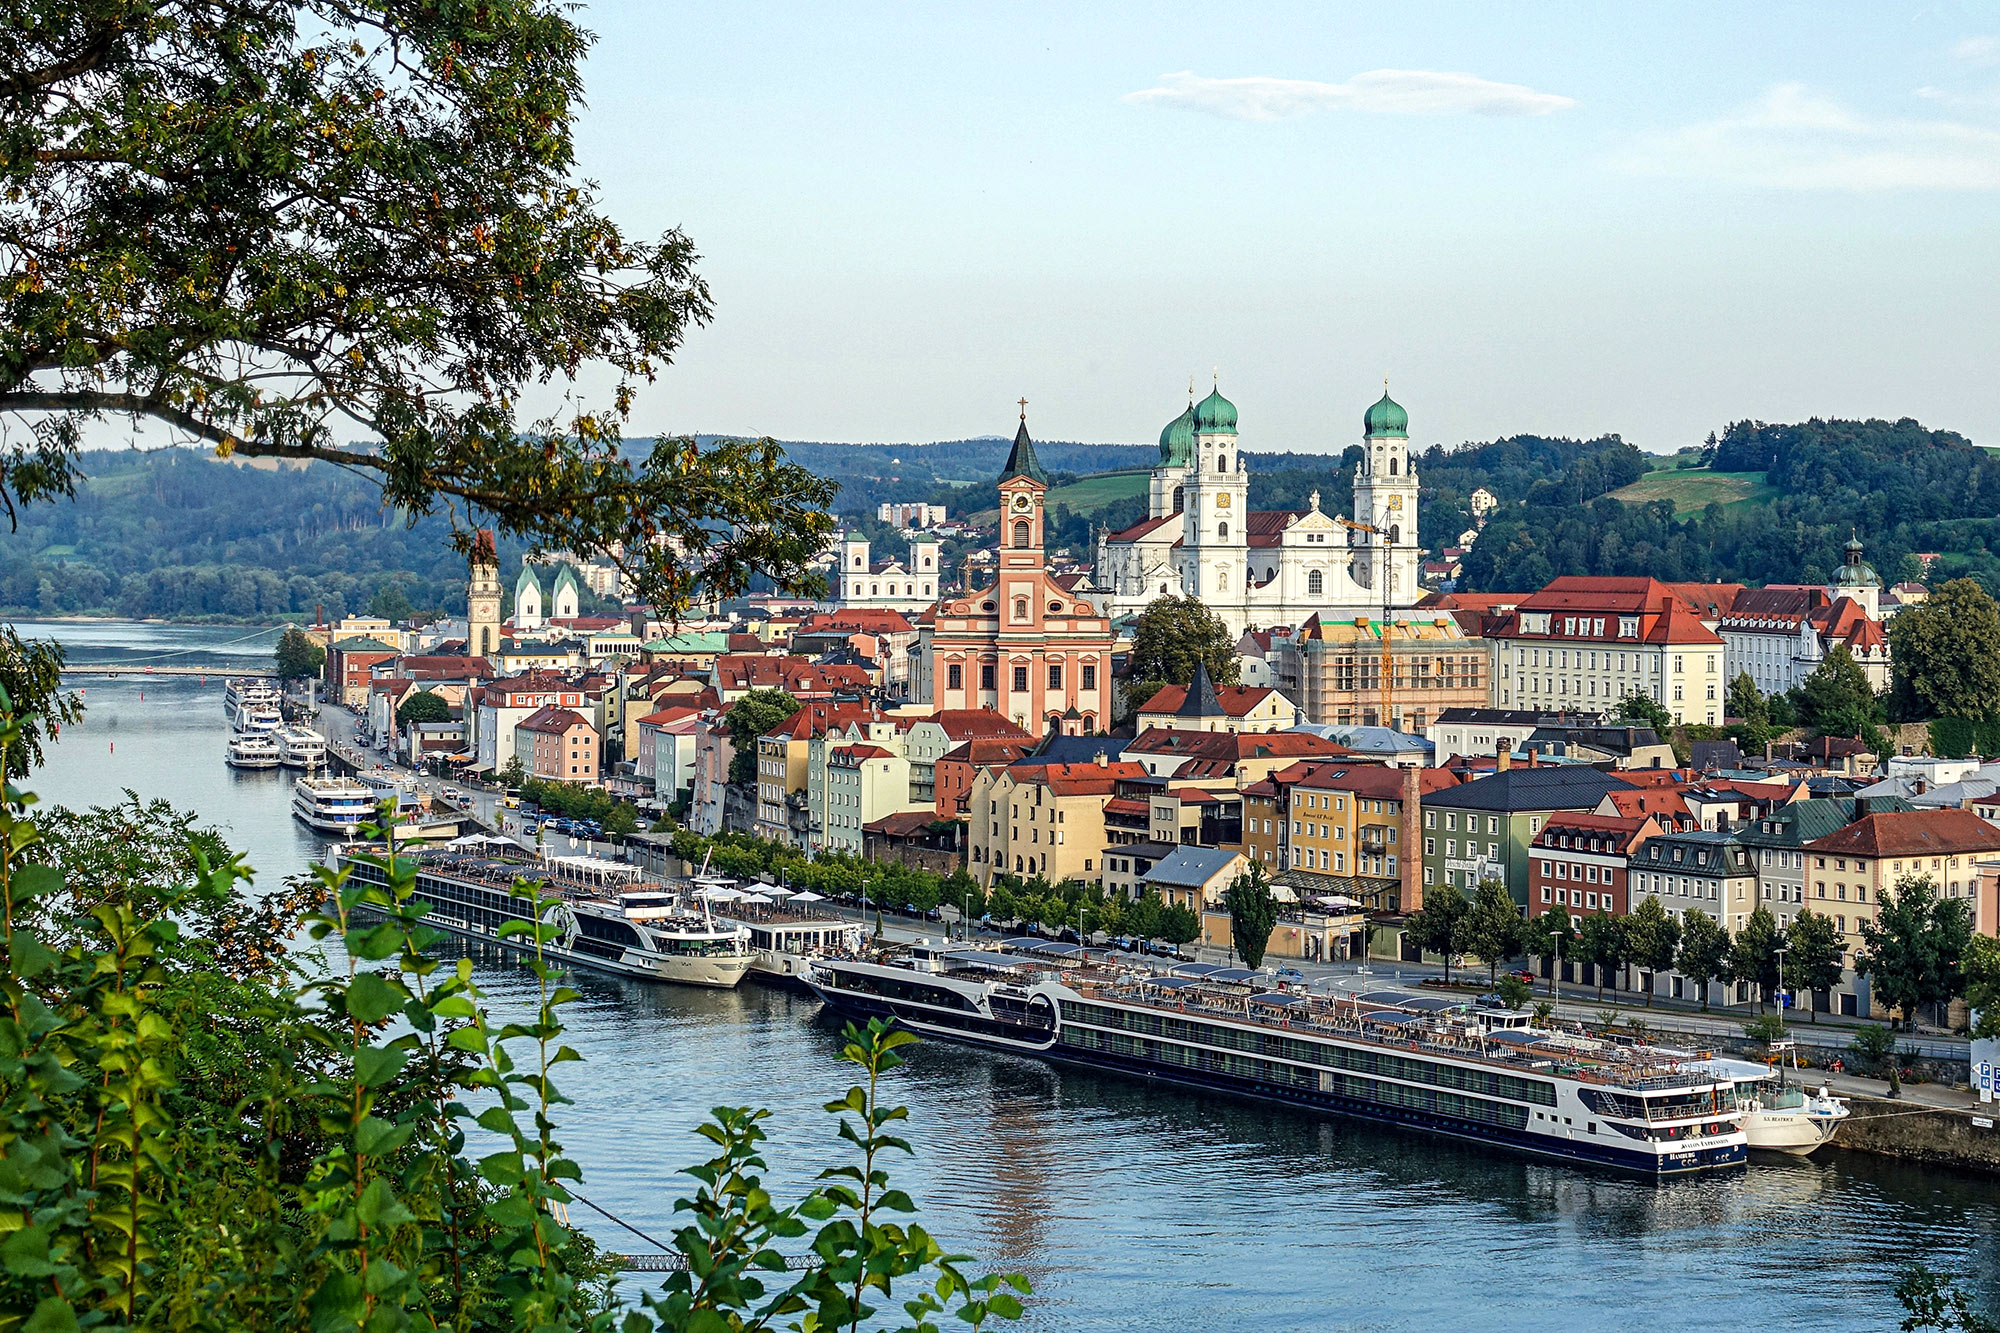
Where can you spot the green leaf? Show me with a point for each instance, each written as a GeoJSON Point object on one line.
{"type": "Point", "coordinates": [26, 1253]}
{"type": "Point", "coordinates": [377, 1136]}
{"type": "Point", "coordinates": [371, 999]}
{"type": "Point", "coordinates": [379, 1206]}
{"type": "Point", "coordinates": [376, 1065]}
{"type": "Point", "coordinates": [31, 957]}
{"type": "Point", "coordinates": [337, 1305]}
{"type": "Point", "coordinates": [52, 1315]}
{"type": "Point", "coordinates": [35, 881]}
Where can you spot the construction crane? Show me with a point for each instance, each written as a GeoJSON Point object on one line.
{"type": "Point", "coordinates": [1388, 667]}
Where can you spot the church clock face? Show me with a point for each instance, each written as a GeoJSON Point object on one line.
{"type": "Point", "coordinates": [1020, 502]}
{"type": "Point", "coordinates": [1395, 502]}
{"type": "Point", "coordinates": [1222, 502]}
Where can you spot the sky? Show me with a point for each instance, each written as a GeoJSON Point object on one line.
{"type": "Point", "coordinates": [1553, 219]}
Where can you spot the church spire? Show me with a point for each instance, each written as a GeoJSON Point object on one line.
{"type": "Point", "coordinates": [1021, 461]}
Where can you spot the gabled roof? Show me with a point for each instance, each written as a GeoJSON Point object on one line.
{"type": "Point", "coordinates": [1911, 833]}
{"type": "Point", "coordinates": [1220, 701]}
{"type": "Point", "coordinates": [987, 750]}
{"type": "Point", "coordinates": [852, 620]}
{"type": "Point", "coordinates": [1233, 746]}
{"type": "Point", "coordinates": [1086, 779]}
{"type": "Point", "coordinates": [1190, 867]}
{"type": "Point", "coordinates": [364, 644]}
{"type": "Point", "coordinates": [552, 720]}
{"type": "Point", "coordinates": [1662, 802]}
{"type": "Point", "coordinates": [963, 724]}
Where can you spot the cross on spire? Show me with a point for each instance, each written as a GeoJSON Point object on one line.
{"type": "Point", "coordinates": [1024, 409]}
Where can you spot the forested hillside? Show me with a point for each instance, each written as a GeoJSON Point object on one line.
{"type": "Point", "coordinates": [1901, 487]}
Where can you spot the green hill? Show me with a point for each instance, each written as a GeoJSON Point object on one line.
{"type": "Point", "coordinates": [1694, 489]}
{"type": "Point", "coordinates": [1087, 495]}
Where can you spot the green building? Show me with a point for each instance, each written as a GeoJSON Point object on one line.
{"type": "Point", "coordinates": [1482, 829]}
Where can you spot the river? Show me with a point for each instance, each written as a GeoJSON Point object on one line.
{"type": "Point", "coordinates": [1130, 1206]}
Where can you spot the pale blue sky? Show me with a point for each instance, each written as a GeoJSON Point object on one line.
{"type": "Point", "coordinates": [1554, 219]}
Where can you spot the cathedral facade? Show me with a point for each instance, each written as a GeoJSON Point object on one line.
{"type": "Point", "coordinates": [1260, 568]}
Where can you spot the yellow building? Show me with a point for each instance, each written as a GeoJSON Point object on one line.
{"type": "Point", "coordinates": [1044, 819]}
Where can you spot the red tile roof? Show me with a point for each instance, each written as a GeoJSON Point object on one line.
{"type": "Point", "coordinates": [1236, 700]}
{"type": "Point", "coordinates": [1079, 779]}
{"type": "Point", "coordinates": [1911, 833]}
{"type": "Point", "coordinates": [552, 720]}
{"type": "Point", "coordinates": [854, 620]}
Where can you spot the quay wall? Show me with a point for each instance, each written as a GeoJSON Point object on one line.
{"type": "Point", "coordinates": [1938, 1137]}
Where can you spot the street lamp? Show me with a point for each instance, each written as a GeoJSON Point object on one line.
{"type": "Point", "coordinates": [967, 916]}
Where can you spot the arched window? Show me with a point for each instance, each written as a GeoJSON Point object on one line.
{"type": "Point", "coordinates": [874, 590]}
{"type": "Point", "coordinates": [1020, 608]}
{"type": "Point", "coordinates": [1179, 499]}
{"type": "Point", "coordinates": [1392, 467]}
{"type": "Point", "coordinates": [1315, 583]}
{"type": "Point", "coordinates": [1222, 462]}
{"type": "Point", "coordinates": [1395, 533]}
{"type": "Point", "coordinates": [1021, 535]}
{"type": "Point", "coordinates": [1090, 722]}
{"type": "Point", "coordinates": [1222, 531]}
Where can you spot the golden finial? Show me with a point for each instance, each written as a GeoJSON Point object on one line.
{"type": "Point", "coordinates": [1024, 411]}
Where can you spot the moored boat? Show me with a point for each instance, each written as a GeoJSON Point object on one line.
{"type": "Point", "coordinates": [335, 806]}
{"type": "Point", "coordinates": [785, 932]}
{"type": "Point", "coordinates": [605, 918]}
{"type": "Point", "coordinates": [1425, 1062]}
{"type": "Point", "coordinates": [252, 750]}
{"type": "Point", "coordinates": [1782, 1114]}
{"type": "Point", "coordinates": [301, 747]}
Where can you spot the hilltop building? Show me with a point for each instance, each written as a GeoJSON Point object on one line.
{"type": "Point", "coordinates": [1267, 567]}
{"type": "Point", "coordinates": [1780, 634]}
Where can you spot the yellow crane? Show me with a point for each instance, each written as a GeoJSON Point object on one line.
{"type": "Point", "coordinates": [1388, 668]}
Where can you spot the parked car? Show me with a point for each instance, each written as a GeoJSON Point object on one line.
{"type": "Point", "coordinates": [452, 794]}
{"type": "Point", "coordinates": [1524, 976]}
{"type": "Point", "coordinates": [1290, 974]}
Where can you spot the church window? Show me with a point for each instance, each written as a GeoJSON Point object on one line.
{"type": "Point", "coordinates": [1020, 608]}
{"type": "Point", "coordinates": [954, 676]}
{"type": "Point", "coordinates": [1395, 534]}
{"type": "Point", "coordinates": [1090, 675]}
{"type": "Point", "coordinates": [1222, 531]}
{"type": "Point", "coordinates": [986, 676]}
{"type": "Point", "coordinates": [1392, 467]}
{"type": "Point", "coordinates": [1021, 535]}
{"type": "Point", "coordinates": [1315, 583]}
{"type": "Point", "coordinates": [874, 590]}
{"type": "Point", "coordinates": [1222, 462]}
{"type": "Point", "coordinates": [1179, 503]}
{"type": "Point", "coordinates": [1020, 678]}
{"type": "Point", "coordinates": [1055, 675]}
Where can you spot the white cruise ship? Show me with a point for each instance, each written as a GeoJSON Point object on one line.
{"type": "Point", "coordinates": [634, 930]}
{"type": "Point", "coordinates": [1430, 1063]}
{"type": "Point", "coordinates": [259, 717]}
{"type": "Point", "coordinates": [252, 749]}
{"type": "Point", "coordinates": [335, 806]}
{"type": "Point", "coordinates": [301, 747]}
{"type": "Point", "coordinates": [251, 690]}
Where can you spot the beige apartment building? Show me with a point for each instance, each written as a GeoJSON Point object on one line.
{"type": "Point", "coordinates": [1043, 819]}
{"type": "Point", "coordinates": [1333, 669]}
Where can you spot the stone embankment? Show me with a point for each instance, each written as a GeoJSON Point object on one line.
{"type": "Point", "coordinates": [1962, 1138]}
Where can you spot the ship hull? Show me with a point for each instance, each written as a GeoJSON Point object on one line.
{"type": "Point", "coordinates": [719, 972]}
{"type": "Point", "coordinates": [1602, 1151]}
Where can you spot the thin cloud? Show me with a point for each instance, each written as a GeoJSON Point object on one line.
{"type": "Point", "coordinates": [1794, 140]}
{"type": "Point", "coordinates": [1388, 92]}
{"type": "Point", "coordinates": [1980, 52]}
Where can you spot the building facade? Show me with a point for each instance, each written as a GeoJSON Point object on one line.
{"type": "Point", "coordinates": [1024, 646]}
{"type": "Point", "coordinates": [888, 585]}
{"type": "Point", "coordinates": [1333, 670]}
{"type": "Point", "coordinates": [1587, 643]}
{"type": "Point", "coordinates": [1266, 567]}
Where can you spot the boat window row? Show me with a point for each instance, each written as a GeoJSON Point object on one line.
{"type": "Point", "coordinates": [1427, 1101]}
{"type": "Point", "coordinates": [904, 988]}
{"type": "Point", "coordinates": [1381, 1064]}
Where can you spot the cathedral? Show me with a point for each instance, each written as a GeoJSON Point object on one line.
{"type": "Point", "coordinates": [1260, 568]}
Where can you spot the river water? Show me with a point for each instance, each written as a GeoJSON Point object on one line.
{"type": "Point", "coordinates": [1129, 1206]}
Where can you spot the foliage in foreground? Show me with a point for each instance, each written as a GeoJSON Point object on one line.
{"type": "Point", "coordinates": [201, 1130]}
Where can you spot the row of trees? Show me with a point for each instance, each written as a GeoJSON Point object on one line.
{"type": "Point", "coordinates": [1919, 953]}
{"type": "Point", "coordinates": [893, 884]}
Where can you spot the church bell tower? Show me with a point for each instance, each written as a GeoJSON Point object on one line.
{"type": "Point", "coordinates": [1385, 496]}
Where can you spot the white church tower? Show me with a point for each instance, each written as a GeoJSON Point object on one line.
{"type": "Point", "coordinates": [1385, 496]}
{"type": "Point", "coordinates": [1165, 496]}
{"type": "Point", "coordinates": [1214, 536]}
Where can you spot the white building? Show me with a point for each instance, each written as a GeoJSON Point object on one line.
{"type": "Point", "coordinates": [1781, 634]}
{"type": "Point", "coordinates": [909, 514]}
{"type": "Point", "coordinates": [889, 585]}
{"type": "Point", "coordinates": [533, 608]}
{"type": "Point", "coordinates": [1258, 568]}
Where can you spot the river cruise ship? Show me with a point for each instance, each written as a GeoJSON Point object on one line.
{"type": "Point", "coordinates": [1431, 1063]}
{"type": "Point", "coordinates": [242, 690]}
{"type": "Point", "coordinates": [252, 749]}
{"type": "Point", "coordinates": [605, 918]}
{"type": "Point", "coordinates": [334, 806]}
{"type": "Point", "coordinates": [301, 747]}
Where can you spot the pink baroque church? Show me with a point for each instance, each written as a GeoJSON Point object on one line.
{"type": "Point", "coordinates": [1024, 647]}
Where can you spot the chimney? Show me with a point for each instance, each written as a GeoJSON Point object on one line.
{"type": "Point", "coordinates": [1412, 864]}
{"type": "Point", "coordinates": [1532, 755]}
{"type": "Point", "coordinates": [1503, 755]}
{"type": "Point", "coordinates": [1103, 759]}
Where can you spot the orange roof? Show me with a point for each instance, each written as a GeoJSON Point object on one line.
{"type": "Point", "coordinates": [989, 750]}
{"type": "Point", "coordinates": [1234, 746]}
{"type": "Point", "coordinates": [1080, 779]}
{"type": "Point", "coordinates": [667, 716]}
{"type": "Point", "coordinates": [1625, 828]}
{"type": "Point", "coordinates": [551, 719]}
{"type": "Point", "coordinates": [1911, 833]}
{"type": "Point", "coordinates": [855, 620]}
{"type": "Point", "coordinates": [962, 724]}
{"type": "Point", "coordinates": [1236, 700]}
{"type": "Point", "coordinates": [1640, 801]}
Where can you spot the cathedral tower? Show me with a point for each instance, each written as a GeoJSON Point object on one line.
{"type": "Point", "coordinates": [1214, 536]}
{"type": "Point", "coordinates": [1385, 495]}
{"type": "Point", "coordinates": [1176, 451]}
{"type": "Point", "coordinates": [1023, 484]}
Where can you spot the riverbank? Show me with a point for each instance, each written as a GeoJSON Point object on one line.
{"type": "Point", "coordinates": [1959, 1138]}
